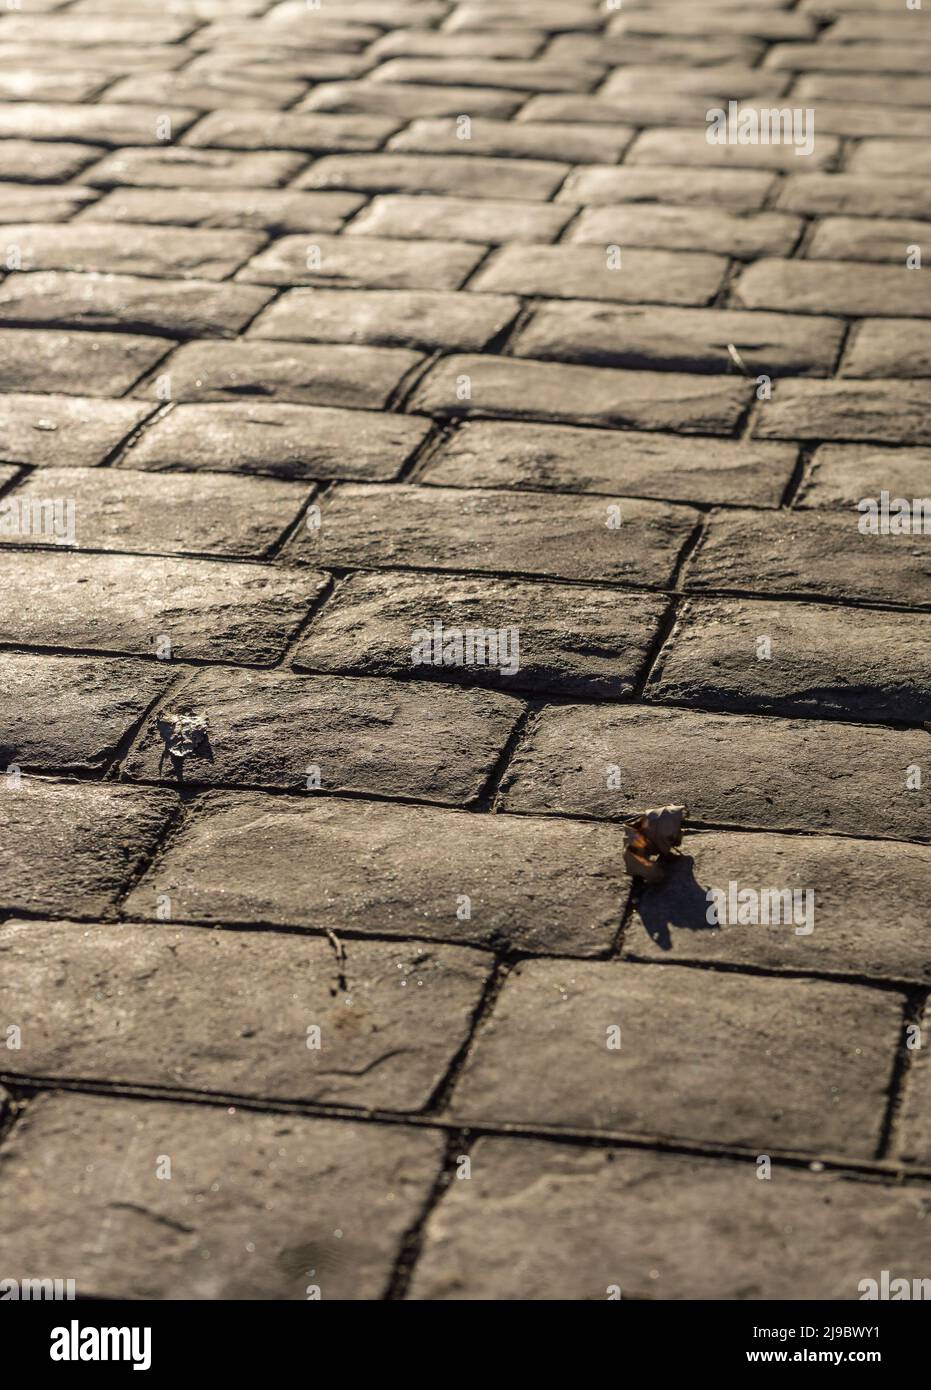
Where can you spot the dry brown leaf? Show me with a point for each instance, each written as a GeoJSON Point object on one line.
{"type": "Point", "coordinates": [650, 841]}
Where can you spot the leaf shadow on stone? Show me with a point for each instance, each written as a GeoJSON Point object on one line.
{"type": "Point", "coordinates": [678, 902]}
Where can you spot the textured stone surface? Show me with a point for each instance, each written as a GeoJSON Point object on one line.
{"type": "Point", "coordinates": [272, 729]}
{"type": "Point", "coordinates": [582, 272]}
{"type": "Point", "coordinates": [386, 1034]}
{"type": "Point", "coordinates": [396, 871]}
{"type": "Point", "coordinates": [560, 536]}
{"type": "Point", "coordinates": [841, 475]}
{"type": "Point", "coordinates": [296, 1196]}
{"type": "Point", "coordinates": [568, 640]}
{"type": "Point", "coordinates": [70, 848]}
{"type": "Point", "coordinates": [833, 287]}
{"type": "Point", "coordinates": [797, 658]}
{"type": "Point", "coordinates": [820, 1055]}
{"type": "Point", "coordinates": [64, 431]}
{"type": "Point", "coordinates": [374, 263]}
{"type": "Point", "coordinates": [727, 769]}
{"type": "Point", "coordinates": [426, 319]}
{"type": "Point", "coordinates": [38, 360]}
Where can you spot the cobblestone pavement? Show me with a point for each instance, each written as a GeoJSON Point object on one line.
{"type": "Point", "coordinates": [323, 325]}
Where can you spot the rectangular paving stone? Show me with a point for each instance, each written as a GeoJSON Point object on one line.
{"type": "Point", "coordinates": [727, 79]}
{"type": "Point", "coordinates": [525, 179]}
{"type": "Point", "coordinates": [768, 1063]}
{"type": "Point", "coordinates": [680, 19]}
{"type": "Point", "coordinates": [318, 31]}
{"type": "Point", "coordinates": [179, 166]}
{"type": "Point", "coordinates": [277, 62]}
{"type": "Point", "coordinates": [154, 513]}
{"type": "Point", "coordinates": [64, 431]}
{"type": "Point", "coordinates": [339, 375]}
{"type": "Point", "coordinates": [440, 43]}
{"type": "Point", "coordinates": [97, 123]}
{"type": "Point", "coordinates": [558, 535]}
{"type": "Point", "coordinates": [895, 412]}
{"type": "Point", "coordinates": [179, 308]}
{"type": "Point", "coordinates": [728, 769]}
{"type": "Point", "coordinates": [891, 157]}
{"type": "Point", "coordinates": [888, 347]}
{"type": "Point", "coordinates": [80, 364]}
{"type": "Point", "coordinates": [838, 86]}
{"type": "Point", "coordinates": [387, 1036]}
{"type": "Point", "coordinates": [675, 228]}
{"type": "Point", "coordinates": [208, 255]}
{"type": "Point", "coordinates": [861, 195]}
{"type": "Point", "coordinates": [53, 86]}
{"type": "Point", "coordinates": [501, 386]}
{"type": "Point", "coordinates": [462, 219]}
{"type": "Point", "coordinates": [27, 202]}
{"type": "Point", "coordinates": [741, 190]}
{"type": "Point", "coordinates": [823, 661]}
{"type": "Point", "coordinates": [92, 57]}
{"type": "Point", "coordinates": [589, 144]}
{"type": "Point", "coordinates": [692, 1228]}
{"type": "Point", "coordinates": [364, 263]}
{"type": "Point", "coordinates": [65, 713]}
{"type": "Point", "coordinates": [692, 147]}
{"type": "Point", "coordinates": [427, 319]}
{"type": "Point", "coordinates": [571, 272]}
{"type": "Point", "coordinates": [866, 239]}
{"type": "Point", "coordinates": [861, 117]}
{"type": "Point", "coordinates": [841, 475]}
{"type": "Point", "coordinates": [409, 99]}
{"type": "Point", "coordinates": [387, 737]}
{"type": "Point", "coordinates": [685, 340]}
{"type": "Point", "coordinates": [285, 441]}
{"type": "Point", "coordinates": [818, 554]}
{"type": "Point", "coordinates": [83, 29]}
{"type": "Point", "coordinates": [846, 878]}
{"type": "Point", "coordinates": [833, 287]}
{"type": "Point", "coordinates": [277, 210]}
{"type": "Point", "coordinates": [569, 640]}
{"type": "Point", "coordinates": [394, 871]}
{"type": "Point", "coordinates": [913, 1141]}
{"type": "Point", "coordinates": [498, 453]}
{"type": "Point", "coordinates": [229, 90]}
{"type": "Point", "coordinates": [259, 1206]}
{"type": "Point", "coordinates": [318, 132]}
{"type": "Point", "coordinates": [509, 73]}
{"type": "Point", "coordinates": [139, 605]}
{"type": "Point", "coordinates": [70, 848]}
{"type": "Point", "coordinates": [858, 56]}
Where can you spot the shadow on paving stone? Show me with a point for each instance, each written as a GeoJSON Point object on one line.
{"type": "Point", "coordinates": [678, 902]}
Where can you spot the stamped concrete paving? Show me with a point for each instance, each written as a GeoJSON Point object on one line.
{"type": "Point", "coordinates": [329, 335]}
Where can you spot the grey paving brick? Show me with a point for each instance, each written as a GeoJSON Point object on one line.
{"type": "Point", "coordinates": [296, 1196]}
{"type": "Point", "coordinates": [82, 29]}
{"type": "Point", "coordinates": [692, 147]}
{"type": "Point", "coordinates": [321, 133]}
{"type": "Point", "coordinates": [841, 475]}
{"type": "Point", "coordinates": [681, 19]}
{"type": "Point", "coordinates": [842, 87]}
{"type": "Point", "coordinates": [866, 239]}
{"type": "Point", "coordinates": [227, 91]}
{"type": "Point", "coordinates": [408, 100]}
{"type": "Point", "coordinates": [583, 272]}
{"type": "Point", "coordinates": [276, 62]}
{"type": "Point", "coordinates": [34, 161]}
{"type": "Point", "coordinates": [821, 661]}
{"type": "Point", "coordinates": [65, 713]}
{"type": "Point", "coordinates": [861, 195]}
{"type": "Point", "coordinates": [888, 347]}
{"type": "Point", "coordinates": [364, 263]}
{"type": "Point", "coordinates": [818, 554]}
{"type": "Point", "coordinates": [847, 879]}
{"type": "Point", "coordinates": [52, 86]}
{"type": "Point", "coordinates": [525, 179]}
{"type": "Point", "coordinates": [723, 80]}
{"type": "Point", "coordinates": [693, 1228]}
{"type": "Point", "coordinates": [684, 340]}
{"type": "Point", "coordinates": [558, 535]}
{"type": "Point", "coordinates": [729, 769]}
{"type": "Point", "coordinates": [426, 319]}
{"type": "Point", "coordinates": [858, 56]}
{"type": "Point", "coordinates": [183, 167]}
{"type": "Point", "coordinates": [287, 441]}
{"type": "Point", "coordinates": [462, 219]}
{"type": "Point", "coordinates": [508, 73]}
{"type": "Point", "coordinates": [92, 57]}
{"type": "Point", "coordinates": [500, 386]}
{"type": "Point", "coordinates": [515, 42]}
{"type": "Point", "coordinates": [386, 1039]}
{"type": "Point", "coordinates": [139, 605]}
{"type": "Point", "coordinates": [619, 49]}
{"type": "Point", "coordinates": [549, 15]}
{"type": "Point", "coordinates": [569, 640]}
{"type": "Point", "coordinates": [514, 455]}
{"type": "Point", "coordinates": [742, 190]}
{"type": "Point", "coordinates": [913, 1141]}
{"type": "Point", "coordinates": [688, 229]}
{"type": "Point", "coordinates": [98, 123]}
{"type": "Point", "coordinates": [159, 514]}
{"type": "Point", "coordinates": [317, 31]}
{"type": "Point", "coordinates": [590, 144]}
{"type": "Point", "coordinates": [70, 848]}
{"type": "Point", "coordinates": [393, 871]}
{"type": "Point", "coordinates": [819, 1054]}
{"type": "Point", "coordinates": [893, 411]}
{"type": "Point", "coordinates": [80, 364]}
{"type": "Point", "coordinates": [180, 308]}
{"type": "Point", "coordinates": [209, 255]}
{"type": "Point", "coordinates": [340, 375]}
{"type": "Point", "coordinates": [833, 287]}
{"type": "Point", "coordinates": [904, 158]}
{"type": "Point", "coordinates": [43, 203]}
{"type": "Point", "coordinates": [383, 737]}
{"type": "Point", "coordinates": [277, 210]}
{"type": "Point", "coordinates": [64, 431]}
